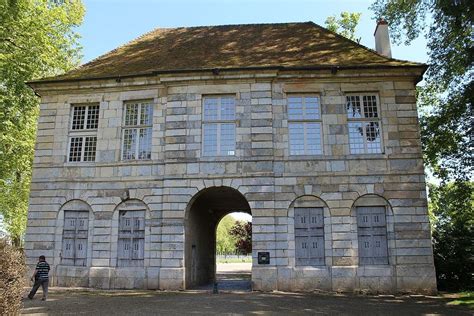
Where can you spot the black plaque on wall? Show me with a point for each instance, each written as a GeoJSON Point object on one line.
{"type": "Point", "coordinates": [263, 258]}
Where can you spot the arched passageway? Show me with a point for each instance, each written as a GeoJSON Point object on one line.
{"type": "Point", "coordinates": [203, 214]}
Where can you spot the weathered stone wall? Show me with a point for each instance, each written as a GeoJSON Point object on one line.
{"type": "Point", "coordinates": [262, 170]}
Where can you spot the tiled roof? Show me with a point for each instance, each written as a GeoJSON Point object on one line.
{"type": "Point", "coordinates": [282, 46]}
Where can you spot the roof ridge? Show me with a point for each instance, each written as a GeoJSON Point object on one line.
{"type": "Point", "coordinates": [236, 24]}
{"type": "Point", "coordinates": [137, 39]}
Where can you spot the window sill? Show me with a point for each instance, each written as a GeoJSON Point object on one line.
{"type": "Point", "coordinates": [134, 161]}
{"type": "Point", "coordinates": [219, 158]}
{"type": "Point", "coordinates": [79, 163]}
{"type": "Point", "coordinates": [332, 157]}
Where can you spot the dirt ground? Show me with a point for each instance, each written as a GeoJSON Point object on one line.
{"type": "Point", "coordinates": [94, 302]}
{"type": "Point", "coordinates": [234, 298]}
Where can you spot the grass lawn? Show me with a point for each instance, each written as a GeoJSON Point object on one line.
{"type": "Point", "coordinates": [234, 260]}
{"type": "Point", "coordinates": [461, 299]}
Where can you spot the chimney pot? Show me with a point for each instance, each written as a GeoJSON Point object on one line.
{"type": "Point", "coordinates": [382, 39]}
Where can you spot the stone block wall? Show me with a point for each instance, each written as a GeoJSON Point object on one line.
{"type": "Point", "coordinates": [262, 170]}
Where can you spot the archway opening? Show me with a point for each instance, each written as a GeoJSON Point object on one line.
{"type": "Point", "coordinates": [204, 213]}
{"type": "Point", "coordinates": [234, 252]}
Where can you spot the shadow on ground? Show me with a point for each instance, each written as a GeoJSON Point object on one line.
{"type": "Point", "coordinates": [94, 302]}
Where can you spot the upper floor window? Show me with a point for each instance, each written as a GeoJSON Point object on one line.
{"type": "Point", "coordinates": [131, 238]}
{"type": "Point", "coordinates": [85, 117]}
{"type": "Point", "coordinates": [137, 130]}
{"type": "Point", "coordinates": [218, 126]}
{"type": "Point", "coordinates": [75, 234]}
{"type": "Point", "coordinates": [372, 235]}
{"type": "Point", "coordinates": [364, 124]}
{"type": "Point", "coordinates": [304, 125]}
{"type": "Point", "coordinates": [309, 235]}
{"type": "Point", "coordinates": [83, 133]}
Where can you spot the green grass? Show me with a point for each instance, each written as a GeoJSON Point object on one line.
{"type": "Point", "coordinates": [463, 299]}
{"type": "Point", "coordinates": [234, 260]}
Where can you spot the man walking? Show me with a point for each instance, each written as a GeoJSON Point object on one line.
{"type": "Point", "coordinates": [40, 277]}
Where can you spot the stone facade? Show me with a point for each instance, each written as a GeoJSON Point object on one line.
{"type": "Point", "coordinates": [272, 181]}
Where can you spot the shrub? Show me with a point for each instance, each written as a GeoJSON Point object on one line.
{"type": "Point", "coordinates": [12, 278]}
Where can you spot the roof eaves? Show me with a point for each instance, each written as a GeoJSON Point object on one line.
{"type": "Point", "coordinates": [422, 67]}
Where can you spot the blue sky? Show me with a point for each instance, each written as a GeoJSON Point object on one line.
{"type": "Point", "coordinates": [111, 23]}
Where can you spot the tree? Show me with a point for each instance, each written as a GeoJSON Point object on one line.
{"type": "Point", "coordinates": [242, 232]}
{"type": "Point", "coordinates": [345, 25]}
{"type": "Point", "coordinates": [37, 39]}
{"type": "Point", "coordinates": [452, 212]}
{"type": "Point", "coordinates": [225, 242]}
{"type": "Point", "coordinates": [446, 99]}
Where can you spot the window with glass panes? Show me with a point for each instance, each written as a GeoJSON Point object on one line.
{"type": "Point", "coordinates": [304, 125]}
{"type": "Point", "coordinates": [364, 123]}
{"type": "Point", "coordinates": [131, 238]}
{"type": "Point", "coordinates": [137, 130]}
{"type": "Point", "coordinates": [309, 236]}
{"type": "Point", "coordinates": [75, 234]}
{"type": "Point", "coordinates": [218, 127]}
{"type": "Point", "coordinates": [83, 132]}
{"type": "Point", "coordinates": [372, 234]}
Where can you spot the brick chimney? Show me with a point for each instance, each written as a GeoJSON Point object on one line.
{"type": "Point", "coordinates": [382, 40]}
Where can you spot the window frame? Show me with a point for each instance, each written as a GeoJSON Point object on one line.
{"type": "Point", "coordinates": [82, 133]}
{"type": "Point", "coordinates": [86, 116]}
{"type": "Point", "coordinates": [219, 122]}
{"type": "Point", "coordinates": [364, 120]}
{"type": "Point", "coordinates": [305, 122]}
{"type": "Point", "coordinates": [137, 128]}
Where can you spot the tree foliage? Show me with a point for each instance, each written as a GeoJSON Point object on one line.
{"type": "Point", "coordinates": [225, 242]}
{"type": "Point", "coordinates": [452, 213]}
{"type": "Point", "coordinates": [242, 232]}
{"type": "Point", "coordinates": [37, 39]}
{"type": "Point", "coordinates": [345, 25]}
{"type": "Point", "coordinates": [446, 100]}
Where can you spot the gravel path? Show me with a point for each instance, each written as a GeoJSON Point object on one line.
{"type": "Point", "coordinates": [94, 302]}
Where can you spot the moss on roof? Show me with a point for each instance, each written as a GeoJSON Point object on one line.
{"type": "Point", "coordinates": [284, 45]}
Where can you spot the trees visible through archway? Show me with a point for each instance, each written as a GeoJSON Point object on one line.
{"type": "Point", "coordinates": [203, 215]}
{"type": "Point", "coordinates": [234, 252]}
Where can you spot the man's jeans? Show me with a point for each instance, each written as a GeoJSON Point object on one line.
{"type": "Point", "coordinates": [44, 286]}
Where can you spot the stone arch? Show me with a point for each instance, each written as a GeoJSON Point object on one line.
{"type": "Point", "coordinates": [372, 199]}
{"type": "Point", "coordinates": [309, 200]}
{"type": "Point", "coordinates": [76, 205]}
{"type": "Point", "coordinates": [199, 186]}
{"type": "Point", "coordinates": [203, 213]}
{"type": "Point", "coordinates": [129, 205]}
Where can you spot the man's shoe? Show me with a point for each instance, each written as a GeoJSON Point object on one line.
{"type": "Point", "coordinates": [43, 299]}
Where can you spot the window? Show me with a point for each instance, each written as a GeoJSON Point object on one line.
{"type": "Point", "coordinates": [309, 236]}
{"type": "Point", "coordinates": [137, 130]}
{"type": "Point", "coordinates": [83, 133]}
{"type": "Point", "coordinates": [372, 234]}
{"type": "Point", "coordinates": [364, 124]}
{"type": "Point", "coordinates": [304, 125]}
{"type": "Point", "coordinates": [75, 232]}
{"type": "Point", "coordinates": [131, 239]}
{"type": "Point", "coordinates": [218, 126]}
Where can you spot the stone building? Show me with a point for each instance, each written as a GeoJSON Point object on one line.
{"type": "Point", "coordinates": [143, 150]}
